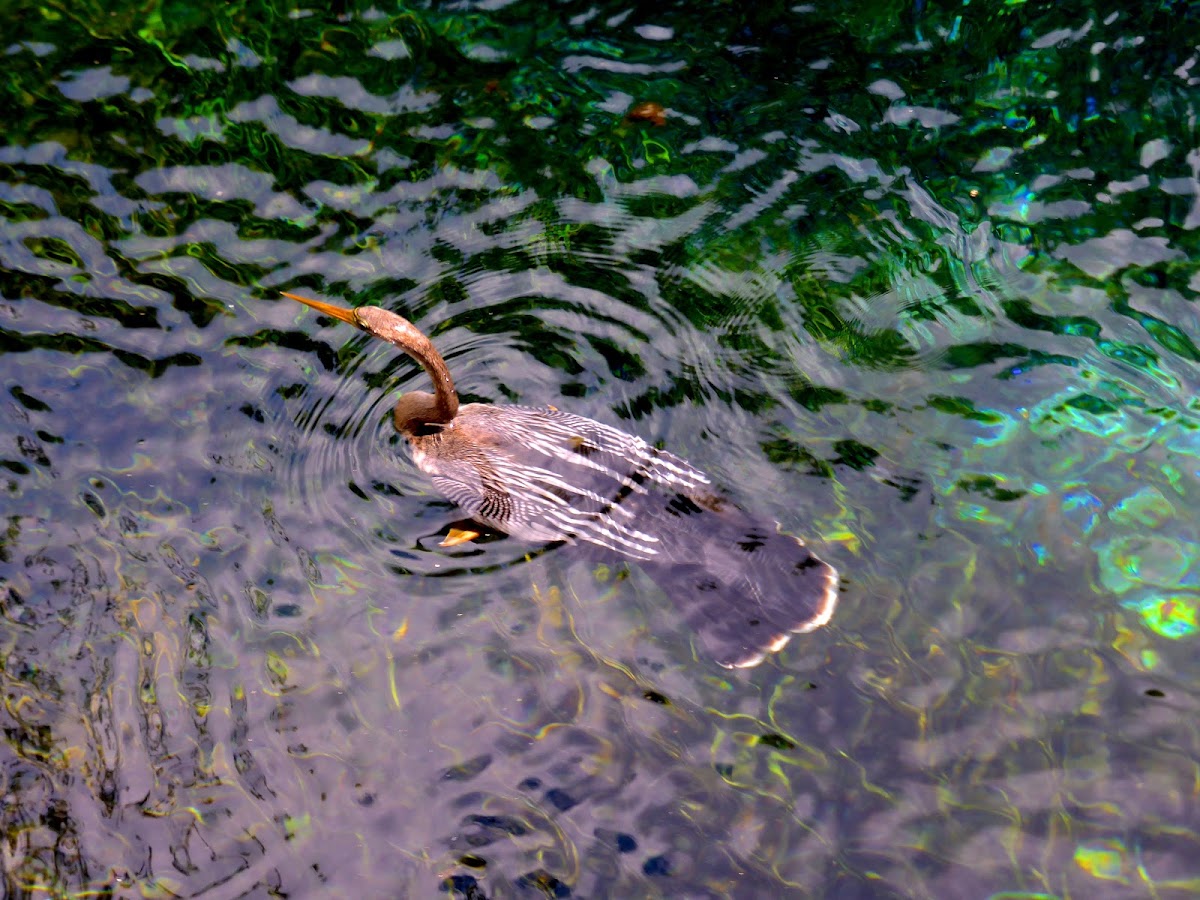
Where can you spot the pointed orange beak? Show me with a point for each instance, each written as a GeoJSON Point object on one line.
{"type": "Point", "coordinates": [338, 312]}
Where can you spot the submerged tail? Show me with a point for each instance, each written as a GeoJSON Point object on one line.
{"type": "Point", "coordinates": [741, 585]}
{"type": "Point", "coordinates": [741, 615]}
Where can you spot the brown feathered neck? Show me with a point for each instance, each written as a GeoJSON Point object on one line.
{"type": "Point", "coordinates": [417, 412]}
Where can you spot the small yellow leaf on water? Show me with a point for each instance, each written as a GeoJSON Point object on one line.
{"type": "Point", "coordinates": [458, 536]}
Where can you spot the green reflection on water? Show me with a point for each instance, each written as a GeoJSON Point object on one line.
{"type": "Point", "coordinates": [1106, 860]}
{"type": "Point", "coordinates": [1174, 616]}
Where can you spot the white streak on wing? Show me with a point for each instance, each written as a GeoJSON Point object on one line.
{"type": "Point", "coordinates": [581, 522]}
{"type": "Point", "coordinates": [556, 450]}
{"type": "Point", "coordinates": [565, 428]}
{"type": "Point", "coordinates": [690, 475]}
{"type": "Point", "coordinates": [533, 479]}
{"type": "Point", "coordinates": [601, 534]}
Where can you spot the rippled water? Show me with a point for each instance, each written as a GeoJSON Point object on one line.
{"type": "Point", "coordinates": [917, 281]}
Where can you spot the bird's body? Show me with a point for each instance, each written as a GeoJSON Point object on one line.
{"type": "Point", "coordinates": [544, 475]}
{"type": "Point", "coordinates": [541, 474]}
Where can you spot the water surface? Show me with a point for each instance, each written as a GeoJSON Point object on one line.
{"type": "Point", "coordinates": [915, 281]}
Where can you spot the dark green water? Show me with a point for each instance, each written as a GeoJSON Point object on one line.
{"type": "Point", "coordinates": [916, 280]}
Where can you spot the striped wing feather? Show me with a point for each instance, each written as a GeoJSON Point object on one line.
{"type": "Point", "coordinates": [546, 475]}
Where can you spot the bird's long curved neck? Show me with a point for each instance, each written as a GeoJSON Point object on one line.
{"type": "Point", "coordinates": [402, 333]}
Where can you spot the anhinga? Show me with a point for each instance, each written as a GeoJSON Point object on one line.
{"type": "Point", "coordinates": [540, 474]}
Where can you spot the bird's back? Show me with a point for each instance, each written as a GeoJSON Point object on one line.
{"type": "Point", "coordinates": [545, 475]}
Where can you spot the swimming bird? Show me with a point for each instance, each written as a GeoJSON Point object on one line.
{"type": "Point", "coordinates": [544, 475]}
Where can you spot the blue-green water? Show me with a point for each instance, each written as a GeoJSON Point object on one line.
{"type": "Point", "coordinates": [917, 281]}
